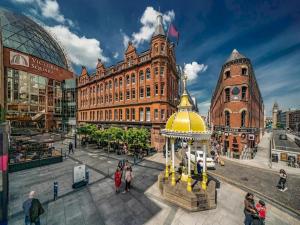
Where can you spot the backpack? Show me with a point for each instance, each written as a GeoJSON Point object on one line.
{"type": "Point", "coordinates": [36, 210]}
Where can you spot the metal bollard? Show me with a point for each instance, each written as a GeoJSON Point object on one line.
{"type": "Point", "coordinates": [87, 176]}
{"type": "Point", "coordinates": [55, 190]}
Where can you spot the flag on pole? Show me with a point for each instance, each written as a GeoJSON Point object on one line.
{"type": "Point", "coordinates": [173, 32]}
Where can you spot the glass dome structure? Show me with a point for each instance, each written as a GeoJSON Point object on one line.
{"type": "Point", "coordinates": [23, 34]}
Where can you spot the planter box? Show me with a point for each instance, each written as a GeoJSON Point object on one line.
{"type": "Point", "coordinates": [34, 163]}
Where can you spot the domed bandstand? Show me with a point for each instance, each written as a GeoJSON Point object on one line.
{"type": "Point", "coordinates": [176, 186]}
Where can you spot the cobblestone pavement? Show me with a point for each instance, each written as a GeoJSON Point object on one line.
{"type": "Point", "coordinates": [98, 203]}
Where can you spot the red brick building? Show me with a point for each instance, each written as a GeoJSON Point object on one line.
{"type": "Point", "coordinates": [237, 110]}
{"type": "Point", "coordinates": [141, 90]}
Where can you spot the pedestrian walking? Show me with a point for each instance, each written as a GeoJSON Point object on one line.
{"type": "Point", "coordinates": [33, 210]}
{"type": "Point", "coordinates": [128, 179]}
{"type": "Point", "coordinates": [282, 180]}
{"type": "Point", "coordinates": [71, 148]}
{"type": "Point", "coordinates": [249, 209]}
{"type": "Point", "coordinates": [118, 180]}
{"type": "Point", "coordinates": [262, 211]}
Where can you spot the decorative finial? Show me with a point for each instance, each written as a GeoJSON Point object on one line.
{"type": "Point", "coordinates": [184, 81]}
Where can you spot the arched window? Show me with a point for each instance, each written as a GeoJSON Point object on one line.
{"type": "Point", "coordinates": [133, 78]}
{"type": "Point", "coordinates": [148, 74]}
{"type": "Point", "coordinates": [121, 82]}
{"type": "Point", "coordinates": [127, 79]}
{"type": "Point", "coordinates": [141, 75]}
{"type": "Point", "coordinates": [227, 118]}
{"type": "Point", "coordinates": [243, 118]}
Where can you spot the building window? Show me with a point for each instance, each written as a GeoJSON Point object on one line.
{"type": "Point", "coordinates": [116, 96]}
{"type": "Point", "coordinates": [101, 115]}
{"type": "Point", "coordinates": [101, 99]}
{"type": "Point", "coordinates": [244, 71]}
{"type": "Point", "coordinates": [127, 95]}
{"type": "Point", "coordinates": [148, 116]}
{"type": "Point", "coordinates": [101, 87]}
{"type": "Point", "coordinates": [115, 114]}
{"type": "Point", "coordinates": [227, 74]}
{"type": "Point", "coordinates": [162, 114]}
{"type": "Point", "coordinates": [116, 83]}
{"type": "Point", "coordinates": [162, 47]}
{"type": "Point", "coordinates": [133, 93]}
{"type": "Point", "coordinates": [110, 115]}
{"type": "Point", "coordinates": [162, 71]}
{"type": "Point", "coordinates": [133, 78]}
{"type": "Point", "coordinates": [121, 114]}
{"type": "Point", "coordinates": [127, 79]}
{"type": "Point", "coordinates": [156, 89]}
{"type": "Point", "coordinates": [155, 114]}
{"type": "Point", "coordinates": [121, 82]}
{"type": "Point", "coordinates": [121, 96]}
{"type": "Point", "coordinates": [98, 88]}
{"type": "Point", "coordinates": [133, 114]}
{"type": "Point", "coordinates": [127, 114]}
{"type": "Point", "coordinates": [162, 89]}
{"type": "Point", "coordinates": [110, 85]}
{"type": "Point", "coordinates": [110, 98]}
{"type": "Point", "coordinates": [148, 74]}
{"type": "Point", "coordinates": [141, 76]}
{"type": "Point", "coordinates": [141, 92]}
{"type": "Point", "coordinates": [243, 119]}
{"type": "Point", "coordinates": [141, 114]}
{"type": "Point", "coordinates": [156, 70]}
{"type": "Point", "coordinates": [148, 91]}
{"type": "Point", "coordinates": [244, 93]}
{"type": "Point", "coordinates": [227, 118]}
{"type": "Point", "coordinates": [227, 95]}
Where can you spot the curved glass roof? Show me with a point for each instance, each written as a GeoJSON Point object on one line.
{"type": "Point", "coordinates": [23, 34]}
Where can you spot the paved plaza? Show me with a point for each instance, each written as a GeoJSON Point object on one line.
{"type": "Point", "coordinates": [98, 203]}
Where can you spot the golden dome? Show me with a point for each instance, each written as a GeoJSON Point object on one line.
{"type": "Point", "coordinates": [186, 121]}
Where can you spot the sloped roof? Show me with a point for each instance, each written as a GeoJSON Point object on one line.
{"type": "Point", "coordinates": [235, 55]}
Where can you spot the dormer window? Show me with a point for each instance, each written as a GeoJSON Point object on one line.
{"type": "Point", "coordinates": [244, 71]}
{"type": "Point", "coordinates": [227, 74]}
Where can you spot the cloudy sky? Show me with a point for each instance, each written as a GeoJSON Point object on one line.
{"type": "Point", "coordinates": [267, 32]}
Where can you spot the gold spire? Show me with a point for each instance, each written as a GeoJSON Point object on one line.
{"type": "Point", "coordinates": [184, 99]}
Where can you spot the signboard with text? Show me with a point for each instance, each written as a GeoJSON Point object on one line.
{"type": "Point", "coordinates": [31, 64]}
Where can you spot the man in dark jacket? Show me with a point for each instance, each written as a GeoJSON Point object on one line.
{"type": "Point", "coordinates": [32, 209]}
{"type": "Point", "coordinates": [71, 148]}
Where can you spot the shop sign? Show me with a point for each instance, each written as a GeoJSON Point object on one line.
{"type": "Point", "coordinates": [251, 137]}
{"type": "Point", "coordinates": [235, 130]}
{"type": "Point", "coordinates": [20, 59]}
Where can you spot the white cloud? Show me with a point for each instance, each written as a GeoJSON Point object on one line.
{"type": "Point", "coordinates": [148, 21]}
{"type": "Point", "coordinates": [203, 107]}
{"type": "Point", "coordinates": [116, 55]}
{"type": "Point", "coordinates": [80, 50]}
{"type": "Point", "coordinates": [125, 40]}
{"type": "Point", "coordinates": [193, 69]}
{"type": "Point", "coordinates": [48, 9]}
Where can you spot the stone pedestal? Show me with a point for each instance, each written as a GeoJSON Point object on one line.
{"type": "Point", "coordinates": [196, 200]}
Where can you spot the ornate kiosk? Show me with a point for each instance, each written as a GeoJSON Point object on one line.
{"type": "Point", "coordinates": [176, 186]}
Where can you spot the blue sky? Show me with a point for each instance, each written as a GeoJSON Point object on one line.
{"type": "Point", "coordinates": [267, 32]}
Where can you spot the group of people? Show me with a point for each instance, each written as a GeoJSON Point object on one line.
{"type": "Point", "coordinates": [254, 214]}
{"type": "Point", "coordinates": [123, 168]}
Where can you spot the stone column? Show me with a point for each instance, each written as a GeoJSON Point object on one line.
{"type": "Point", "coordinates": [189, 181]}
{"type": "Point", "coordinates": [204, 175]}
{"type": "Point", "coordinates": [173, 162]}
{"type": "Point", "coordinates": [167, 166]}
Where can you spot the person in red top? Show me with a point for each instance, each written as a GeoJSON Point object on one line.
{"type": "Point", "coordinates": [261, 209]}
{"type": "Point", "coordinates": [118, 180]}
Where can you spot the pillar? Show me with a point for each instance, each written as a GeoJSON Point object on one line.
{"type": "Point", "coordinates": [189, 182]}
{"type": "Point", "coordinates": [173, 182]}
{"type": "Point", "coordinates": [167, 166]}
{"type": "Point", "coordinates": [204, 175]}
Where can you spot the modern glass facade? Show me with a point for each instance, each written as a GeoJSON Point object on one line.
{"type": "Point", "coordinates": [30, 96]}
{"type": "Point", "coordinates": [23, 34]}
{"type": "Point", "coordinates": [69, 104]}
